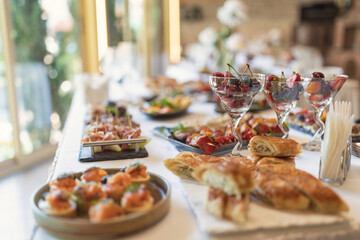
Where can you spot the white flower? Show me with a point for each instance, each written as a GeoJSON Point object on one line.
{"type": "Point", "coordinates": [235, 42]}
{"type": "Point", "coordinates": [208, 36]}
{"type": "Point", "coordinates": [232, 13]}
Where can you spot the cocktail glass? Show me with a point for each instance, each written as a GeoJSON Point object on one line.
{"type": "Point", "coordinates": [282, 96]}
{"type": "Point", "coordinates": [319, 94]}
{"type": "Point", "coordinates": [236, 95]}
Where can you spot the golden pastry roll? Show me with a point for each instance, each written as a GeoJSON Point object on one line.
{"type": "Point", "coordinates": [322, 198]}
{"type": "Point", "coordinates": [273, 190]}
{"type": "Point", "coordinates": [289, 161]}
{"type": "Point", "coordinates": [230, 177]}
{"type": "Point", "coordinates": [274, 147]}
{"type": "Point", "coordinates": [184, 163]}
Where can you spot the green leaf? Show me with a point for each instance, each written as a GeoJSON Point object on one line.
{"type": "Point", "coordinates": [178, 127]}
{"type": "Point", "coordinates": [133, 188]}
{"type": "Point", "coordinates": [137, 164]}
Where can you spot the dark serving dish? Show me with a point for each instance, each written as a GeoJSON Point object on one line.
{"type": "Point", "coordinates": [172, 114]}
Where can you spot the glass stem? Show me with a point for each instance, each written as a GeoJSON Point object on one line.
{"type": "Point", "coordinates": [234, 124]}
{"type": "Point", "coordinates": [281, 121]}
{"type": "Point", "coordinates": [317, 114]}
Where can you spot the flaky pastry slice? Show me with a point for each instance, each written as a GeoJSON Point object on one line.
{"type": "Point", "coordinates": [230, 177]}
{"type": "Point", "coordinates": [271, 189]}
{"type": "Point", "coordinates": [322, 198]}
{"type": "Point", "coordinates": [184, 163]}
{"type": "Point", "coordinates": [274, 147]}
{"type": "Point", "coordinates": [182, 167]}
{"type": "Point", "coordinates": [288, 161]}
{"type": "Point", "coordinates": [221, 205]}
{"type": "Point", "coordinates": [246, 162]}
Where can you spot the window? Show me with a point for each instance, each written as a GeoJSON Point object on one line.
{"type": "Point", "coordinates": [42, 49]}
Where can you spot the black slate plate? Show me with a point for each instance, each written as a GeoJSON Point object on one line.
{"type": "Point", "coordinates": [166, 115]}
{"type": "Point", "coordinates": [85, 155]}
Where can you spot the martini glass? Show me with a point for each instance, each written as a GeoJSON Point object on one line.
{"type": "Point", "coordinates": [236, 95]}
{"type": "Point", "coordinates": [319, 94]}
{"type": "Point", "coordinates": [282, 96]}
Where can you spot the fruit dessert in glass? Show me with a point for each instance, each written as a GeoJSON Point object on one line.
{"type": "Point", "coordinates": [282, 94]}
{"type": "Point", "coordinates": [319, 94]}
{"type": "Point", "coordinates": [236, 94]}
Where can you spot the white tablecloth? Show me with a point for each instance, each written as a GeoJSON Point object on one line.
{"type": "Point", "coordinates": [180, 222]}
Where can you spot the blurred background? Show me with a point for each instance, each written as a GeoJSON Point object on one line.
{"type": "Point", "coordinates": [51, 48]}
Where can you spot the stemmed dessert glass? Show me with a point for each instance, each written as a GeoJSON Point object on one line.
{"type": "Point", "coordinates": [319, 94]}
{"type": "Point", "coordinates": [236, 95]}
{"type": "Point", "coordinates": [282, 95]}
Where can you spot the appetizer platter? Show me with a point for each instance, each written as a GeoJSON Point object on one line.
{"type": "Point", "coordinates": [101, 202]}
{"type": "Point", "coordinates": [111, 135]}
{"type": "Point", "coordinates": [234, 190]}
{"type": "Point", "coordinates": [214, 137]}
{"type": "Point", "coordinates": [167, 107]}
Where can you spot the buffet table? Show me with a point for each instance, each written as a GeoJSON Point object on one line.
{"type": "Point", "coordinates": [180, 222]}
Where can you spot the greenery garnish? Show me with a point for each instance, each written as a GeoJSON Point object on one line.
{"type": "Point", "coordinates": [136, 165]}
{"type": "Point", "coordinates": [133, 188]}
{"type": "Point", "coordinates": [178, 127]}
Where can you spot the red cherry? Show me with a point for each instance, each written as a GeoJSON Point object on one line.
{"type": "Point", "coordinates": [337, 83]}
{"type": "Point", "coordinates": [217, 74]}
{"type": "Point", "coordinates": [269, 79]}
{"type": "Point", "coordinates": [317, 75]}
{"type": "Point", "coordinates": [291, 81]}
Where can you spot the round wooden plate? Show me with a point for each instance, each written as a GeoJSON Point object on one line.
{"type": "Point", "coordinates": [77, 228]}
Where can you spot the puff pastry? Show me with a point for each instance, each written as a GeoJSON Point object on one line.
{"type": "Point", "coordinates": [184, 163]}
{"type": "Point", "coordinates": [274, 147]}
{"type": "Point", "coordinates": [246, 162]}
{"type": "Point", "coordinates": [289, 161]}
{"type": "Point", "coordinates": [230, 177]}
{"type": "Point", "coordinates": [322, 198]}
{"type": "Point", "coordinates": [271, 189]}
{"type": "Point", "coordinates": [231, 207]}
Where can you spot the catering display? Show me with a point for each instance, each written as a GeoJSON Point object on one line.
{"type": "Point", "coordinates": [110, 135]}
{"type": "Point", "coordinates": [236, 94]}
{"type": "Point", "coordinates": [166, 106]}
{"type": "Point", "coordinates": [319, 94]}
{"type": "Point", "coordinates": [215, 135]}
{"type": "Point", "coordinates": [270, 178]}
{"type": "Point", "coordinates": [282, 94]}
{"type": "Point", "coordinates": [104, 202]}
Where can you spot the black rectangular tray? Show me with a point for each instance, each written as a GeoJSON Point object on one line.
{"type": "Point", "coordinates": [85, 155]}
